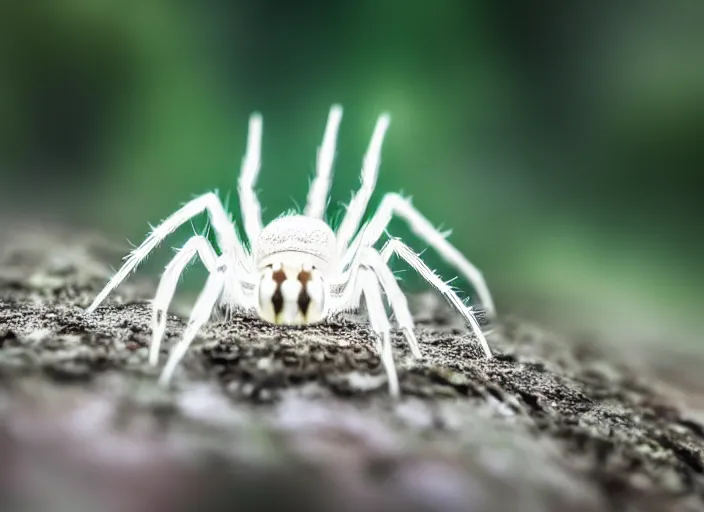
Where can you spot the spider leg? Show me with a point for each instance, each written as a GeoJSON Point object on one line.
{"type": "Point", "coordinates": [345, 288]}
{"type": "Point", "coordinates": [380, 324]}
{"type": "Point", "coordinates": [318, 192]}
{"type": "Point", "coordinates": [395, 246]}
{"type": "Point", "coordinates": [224, 230]}
{"type": "Point", "coordinates": [397, 300]}
{"type": "Point", "coordinates": [200, 314]}
{"type": "Point", "coordinates": [167, 286]}
{"type": "Point", "coordinates": [394, 204]}
{"type": "Point", "coordinates": [249, 204]}
{"type": "Point", "coordinates": [370, 170]}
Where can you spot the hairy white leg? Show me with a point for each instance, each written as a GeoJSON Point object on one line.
{"type": "Point", "coordinates": [394, 204]}
{"type": "Point", "coordinates": [370, 170]}
{"type": "Point", "coordinates": [318, 193]}
{"type": "Point", "coordinates": [345, 290]}
{"type": "Point", "coordinates": [395, 297]}
{"type": "Point", "coordinates": [395, 246]}
{"type": "Point", "coordinates": [347, 296]}
{"type": "Point", "coordinates": [238, 292]}
{"type": "Point", "coordinates": [167, 286]}
{"type": "Point", "coordinates": [249, 204]}
{"type": "Point", "coordinates": [380, 325]}
{"type": "Point", "coordinates": [220, 221]}
{"type": "Point", "coordinates": [200, 314]}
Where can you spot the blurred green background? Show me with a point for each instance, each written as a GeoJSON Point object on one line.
{"type": "Point", "coordinates": [563, 142]}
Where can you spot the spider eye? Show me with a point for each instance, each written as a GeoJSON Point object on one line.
{"type": "Point", "coordinates": [291, 295]}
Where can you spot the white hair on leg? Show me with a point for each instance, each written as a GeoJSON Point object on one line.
{"type": "Point", "coordinates": [394, 204]}
{"type": "Point", "coordinates": [410, 257]}
{"type": "Point", "coordinates": [349, 296]}
{"type": "Point", "coordinates": [249, 204]}
{"type": "Point", "coordinates": [319, 189]}
{"type": "Point", "coordinates": [238, 293]}
{"type": "Point", "coordinates": [394, 295]}
{"type": "Point", "coordinates": [220, 221]}
{"type": "Point", "coordinates": [380, 325]}
{"type": "Point", "coordinates": [345, 290]}
{"type": "Point", "coordinates": [167, 286]}
{"type": "Point", "coordinates": [370, 170]}
{"type": "Point", "coordinates": [202, 310]}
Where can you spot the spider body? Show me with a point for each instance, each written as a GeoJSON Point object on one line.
{"type": "Point", "coordinates": [294, 255]}
{"type": "Point", "coordinates": [299, 270]}
{"type": "Point", "coordinates": [291, 294]}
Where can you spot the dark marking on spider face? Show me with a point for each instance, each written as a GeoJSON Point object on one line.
{"type": "Point", "coordinates": [277, 299]}
{"type": "Point", "coordinates": [303, 298]}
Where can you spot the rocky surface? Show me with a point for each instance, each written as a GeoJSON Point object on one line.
{"type": "Point", "coordinates": [265, 418]}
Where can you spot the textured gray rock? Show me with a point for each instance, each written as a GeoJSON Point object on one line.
{"type": "Point", "coordinates": [262, 417]}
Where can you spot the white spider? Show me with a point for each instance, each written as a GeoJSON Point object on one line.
{"type": "Point", "coordinates": [299, 271]}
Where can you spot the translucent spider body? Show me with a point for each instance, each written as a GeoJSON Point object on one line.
{"type": "Point", "coordinates": [299, 270]}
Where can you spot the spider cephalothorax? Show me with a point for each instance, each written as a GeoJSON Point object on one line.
{"type": "Point", "coordinates": [299, 271]}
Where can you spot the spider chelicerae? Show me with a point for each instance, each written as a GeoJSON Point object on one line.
{"type": "Point", "coordinates": [299, 271]}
